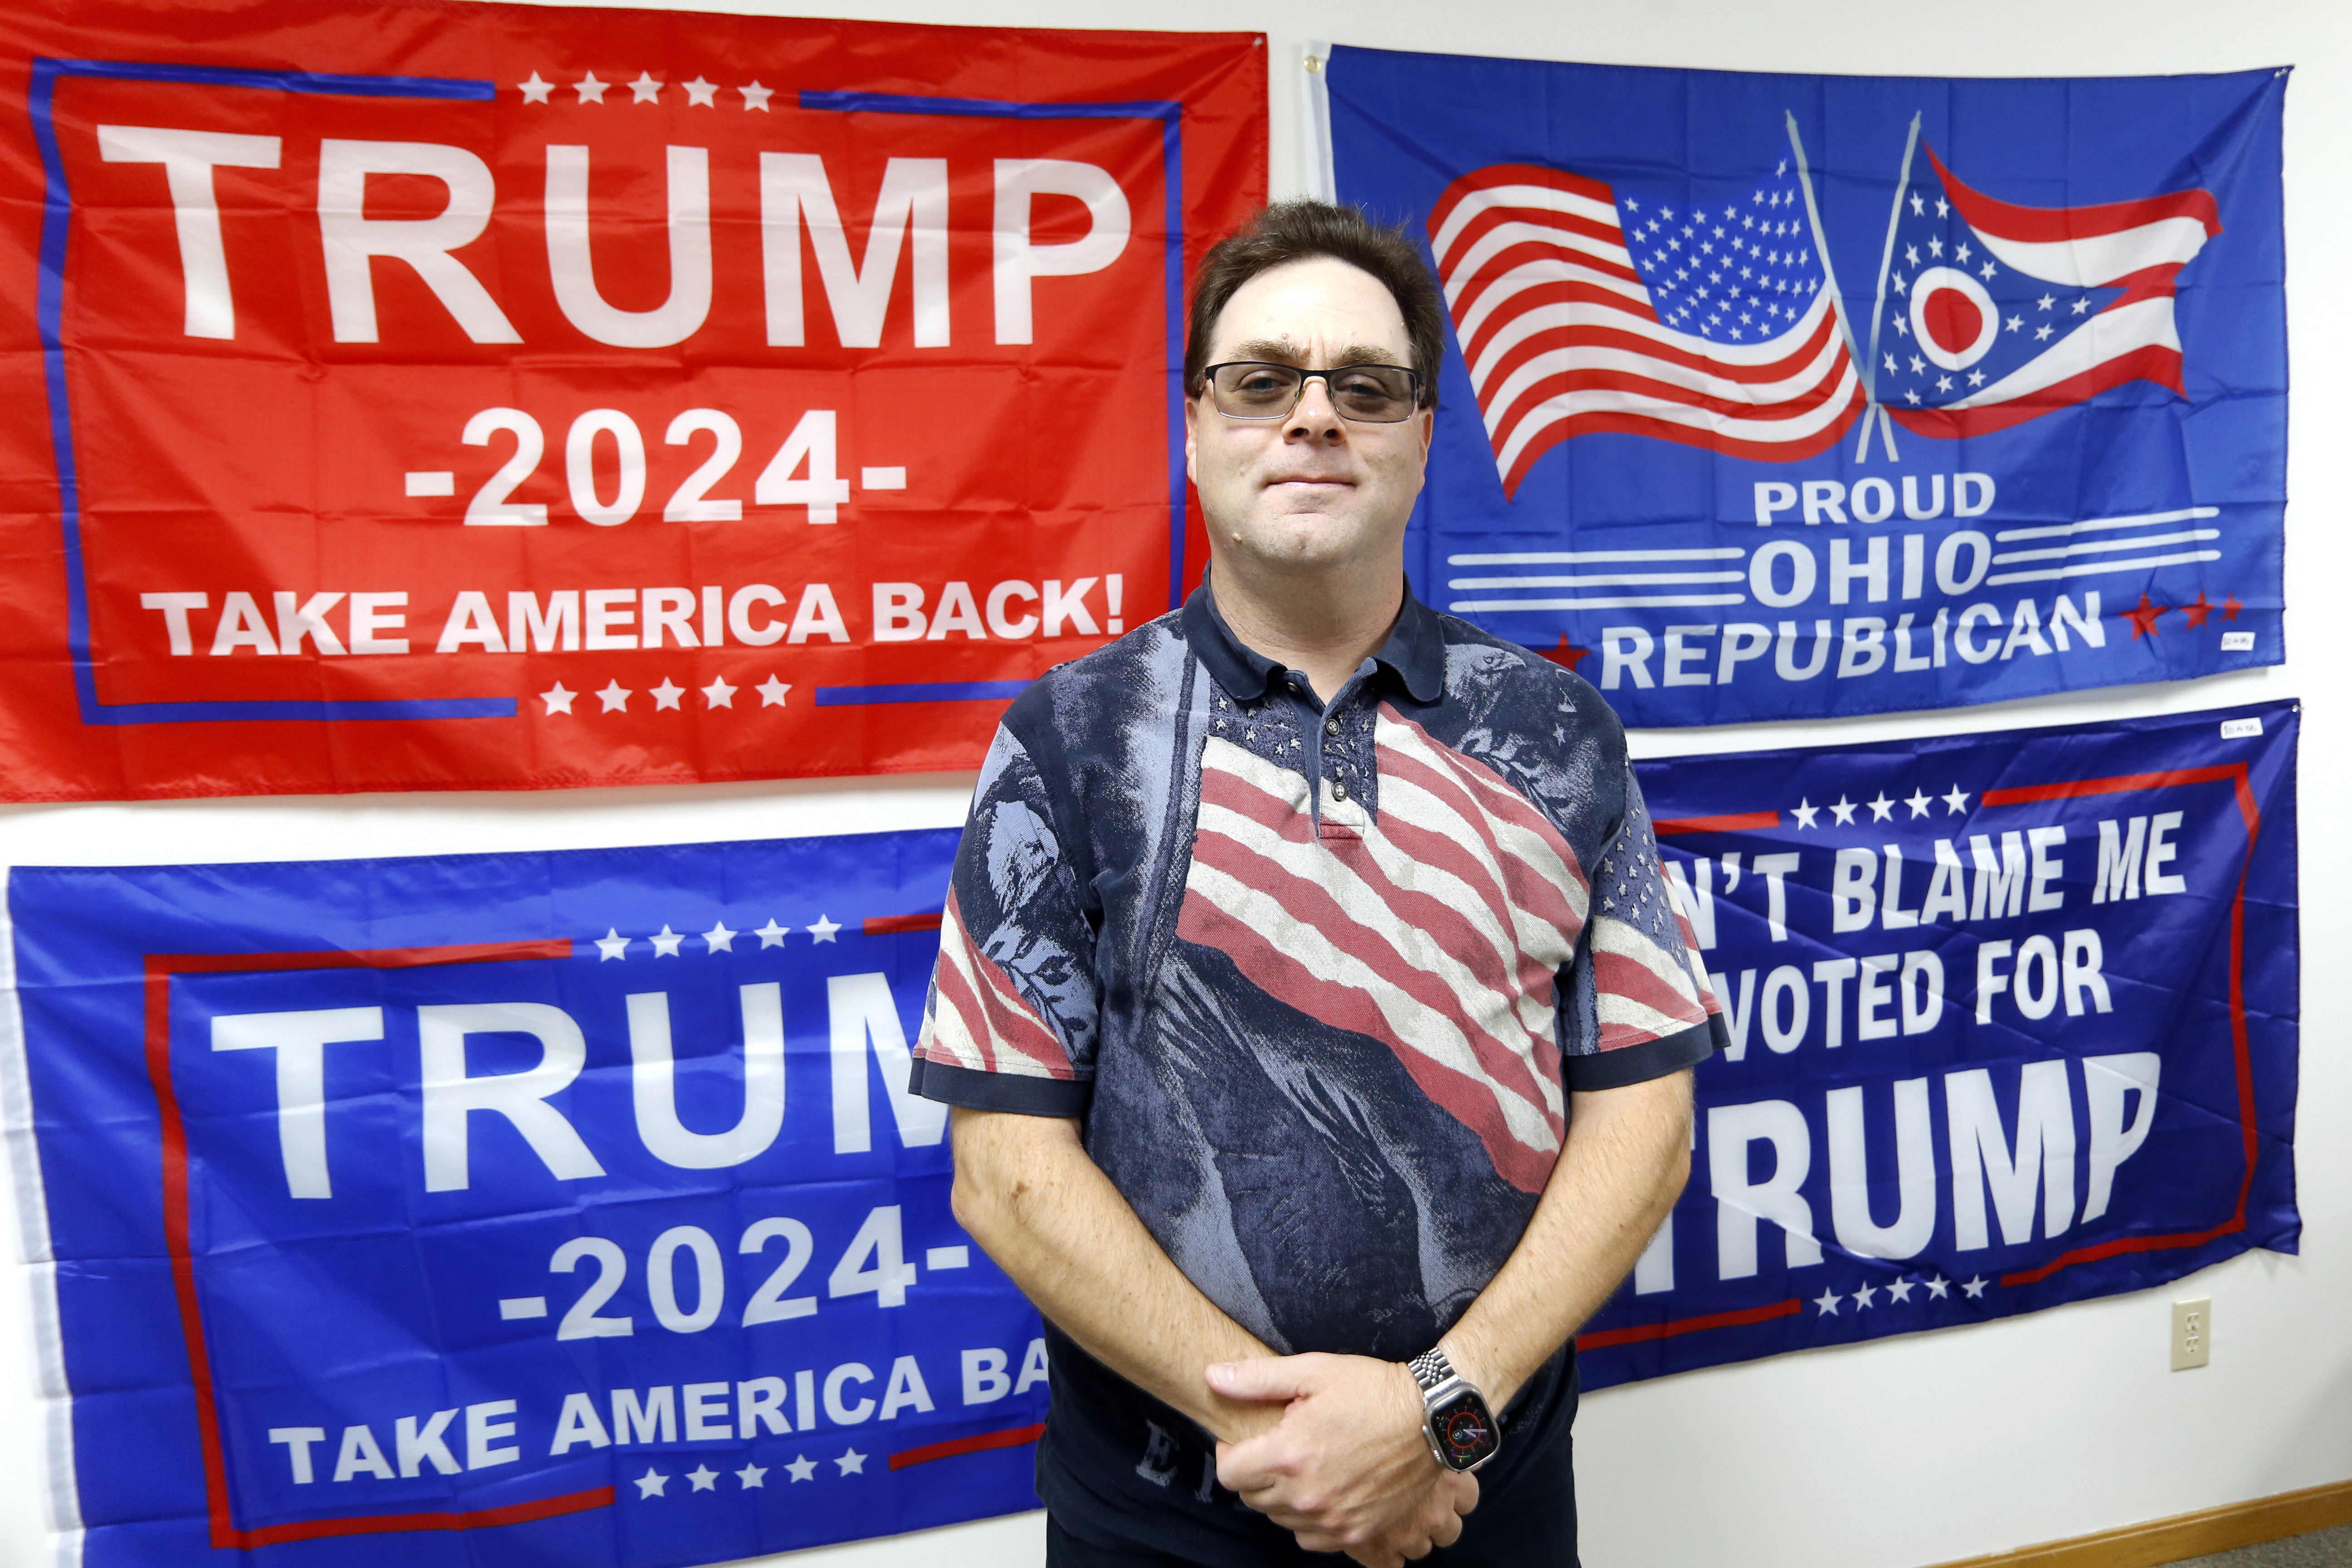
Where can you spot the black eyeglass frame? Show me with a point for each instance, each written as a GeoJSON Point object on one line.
{"type": "Point", "coordinates": [1209, 386]}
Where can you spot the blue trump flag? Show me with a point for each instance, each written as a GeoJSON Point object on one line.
{"type": "Point", "coordinates": [1779, 396]}
{"type": "Point", "coordinates": [504, 1209]}
{"type": "Point", "coordinates": [2013, 1023]}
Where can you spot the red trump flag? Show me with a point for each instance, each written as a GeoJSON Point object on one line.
{"type": "Point", "coordinates": [417, 396]}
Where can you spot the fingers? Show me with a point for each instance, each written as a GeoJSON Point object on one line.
{"type": "Point", "coordinates": [1462, 1488]}
{"type": "Point", "coordinates": [1444, 1524]}
{"type": "Point", "coordinates": [1268, 1377]}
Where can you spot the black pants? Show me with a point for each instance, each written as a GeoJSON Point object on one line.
{"type": "Point", "coordinates": [1532, 1525]}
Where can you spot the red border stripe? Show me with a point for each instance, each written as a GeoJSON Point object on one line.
{"type": "Point", "coordinates": [1668, 1329]}
{"type": "Point", "coordinates": [1010, 1437]}
{"type": "Point", "coordinates": [891, 925]}
{"type": "Point", "coordinates": [173, 1135]}
{"type": "Point", "coordinates": [480, 1518]}
{"type": "Point", "coordinates": [1737, 822]}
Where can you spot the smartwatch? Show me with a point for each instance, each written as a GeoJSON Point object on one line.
{"type": "Point", "coordinates": [1461, 1430]}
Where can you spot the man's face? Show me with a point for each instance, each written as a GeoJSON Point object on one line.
{"type": "Point", "coordinates": [1309, 490]}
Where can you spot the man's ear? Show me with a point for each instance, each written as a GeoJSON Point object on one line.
{"type": "Point", "coordinates": [1427, 419]}
{"type": "Point", "coordinates": [1191, 439]}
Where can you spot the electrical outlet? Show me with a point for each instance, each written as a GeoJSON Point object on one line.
{"type": "Point", "coordinates": [2192, 1334]}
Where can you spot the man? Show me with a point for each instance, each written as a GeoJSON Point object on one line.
{"type": "Point", "coordinates": [1309, 996]}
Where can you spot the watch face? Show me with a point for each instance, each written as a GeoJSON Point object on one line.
{"type": "Point", "coordinates": [1465, 1430]}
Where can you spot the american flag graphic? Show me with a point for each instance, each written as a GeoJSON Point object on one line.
{"type": "Point", "coordinates": [1994, 313]}
{"type": "Point", "coordinates": [978, 1020]}
{"type": "Point", "coordinates": [1577, 311]}
{"type": "Point", "coordinates": [1436, 927]}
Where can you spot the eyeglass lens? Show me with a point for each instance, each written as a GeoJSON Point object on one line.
{"type": "Point", "coordinates": [1382, 394]}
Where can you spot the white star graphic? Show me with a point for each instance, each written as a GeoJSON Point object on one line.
{"type": "Point", "coordinates": [615, 696]}
{"type": "Point", "coordinates": [1918, 365]}
{"type": "Point", "coordinates": [1844, 810]}
{"type": "Point", "coordinates": [1957, 802]}
{"type": "Point", "coordinates": [772, 692]}
{"type": "Point", "coordinates": [611, 944]}
{"type": "Point", "coordinates": [1943, 207]}
{"type": "Point", "coordinates": [1828, 1302]}
{"type": "Point", "coordinates": [704, 1478]}
{"type": "Point", "coordinates": [2041, 333]}
{"type": "Point", "coordinates": [771, 934]}
{"type": "Point", "coordinates": [1805, 812]}
{"type": "Point", "coordinates": [2012, 324]}
{"type": "Point", "coordinates": [558, 700]}
{"type": "Point", "coordinates": [719, 938]}
{"type": "Point", "coordinates": [590, 89]}
{"type": "Point", "coordinates": [535, 91]}
{"type": "Point", "coordinates": [1881, 809]}
{"type": "Point", "coordinates": [645, 89]}
{"type": "Point", "coordinates": [1975, 1286]}
{"type": "Point", "coordinates": [1899, 1291]}
{"type": "Point", "coordinates": [1910, 395]}
{"type": "Point", "coordinates": [853, 1463]}
{"type": "Point", "coordinates": [1986, 271]}
{"type": "Point", "coordinates": [1943, 384]}
{"type": "Point", "coordinates": [666, 694]}
{"type": "Point", "coordinates": [802, 1468]}
{"type": "Point", "coordinates": [2044, 303]}
{"type": "Point", "coordinates": [650, 1484]}
{"type": "Point", "coordinates": [718, 694]}
{"type": "Point", "coordinates": [1938, 1287]}
{"type": "Point", "coordinates": [699, 92]}
{"type": "Point", "coordinates": [824, 929]}
{"type": "Point", "coordinates": [1918, 802]}
{"type": "Point", "coordinates": [2081, 305]}
{"type": "Point", "coordinates": [1865, 1297]}
{"type": "Point", "coordinates": [1976, 378]}
{"type": "Point", "coordinates": [756, 97]}
{"type": "Point", "coordinates": [752, 1476]}
{"type": "Point", "coordinates": [665, 942]}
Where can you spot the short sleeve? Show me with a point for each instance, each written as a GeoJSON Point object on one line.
{"type": "Point", "coordinates": [1011, 1023]}
{"type": "Point", "coordinates": [1639, 1005]}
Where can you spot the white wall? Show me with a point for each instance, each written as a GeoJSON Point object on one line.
{"type": "Point", "coordinates": [1893, 1454]}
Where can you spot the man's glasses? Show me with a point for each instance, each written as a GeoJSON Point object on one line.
{"type": "Point", "coordinates": [1253, 389]}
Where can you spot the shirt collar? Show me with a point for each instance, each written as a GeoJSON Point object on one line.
{"type": "Point", "coordinates": [1413, 655]}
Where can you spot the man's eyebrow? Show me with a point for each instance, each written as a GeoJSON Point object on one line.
{"type": "Point", "coordinates": [1276, 351]}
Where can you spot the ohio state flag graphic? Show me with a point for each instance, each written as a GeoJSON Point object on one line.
{"type": "Point", "coordinates": [502, 396]}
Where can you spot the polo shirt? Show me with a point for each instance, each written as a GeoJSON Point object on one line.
{"type": "Point", "coordinates": [1316, 978]}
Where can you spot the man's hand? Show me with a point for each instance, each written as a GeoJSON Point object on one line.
{"type": "Point", "coordinates": [1347, 1468]}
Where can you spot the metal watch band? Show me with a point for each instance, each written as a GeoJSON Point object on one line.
{"type": "Point", "coordinates": [1430, 1369]}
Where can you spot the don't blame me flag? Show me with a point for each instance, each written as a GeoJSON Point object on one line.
{"type": "Point", "coordinates": [2013, 1023]}
{"type": "Point", "coordinates": [1771, 397]}
{"type": "Point", "coordinates": [503, 1209]}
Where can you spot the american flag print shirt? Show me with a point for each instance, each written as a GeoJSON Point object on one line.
{"type": "Point", "coordinates": [1190, 901]}
{"type": "Point", "coordinates": [1318, 980]}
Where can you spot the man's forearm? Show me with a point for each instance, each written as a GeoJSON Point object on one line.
{"type": "Point", "coordinates": [1027, 1191]}
{"type": "Point", "coordinates": [1625, 1161]}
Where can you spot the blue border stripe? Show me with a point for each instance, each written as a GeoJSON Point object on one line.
{"type": "Point", "coordinates": [449, 87]}
{"type": "Point", "coordinates": [238, 712]}
{"type": "Point", "coordinates": [1170, 114]}
{"type": "Point", "coordinates": [932, 692]}
{"type": "Point", "coordinates": [56, 215]}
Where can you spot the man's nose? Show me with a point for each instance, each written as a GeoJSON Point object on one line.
{"type": "Point", "coordinates": [1313, 417]}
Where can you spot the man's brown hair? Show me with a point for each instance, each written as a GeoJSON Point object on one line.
{"type": "Point", "coordinates": [1298, 231]}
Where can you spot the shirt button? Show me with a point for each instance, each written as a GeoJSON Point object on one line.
{"type": "Point", "coordinates": [1339, 790]}
{"type": "Point", "coordinates": [1330, 726]}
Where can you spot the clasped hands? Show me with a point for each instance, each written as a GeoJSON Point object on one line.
{"type": "Point", "coordinates": [1345, 1467]}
